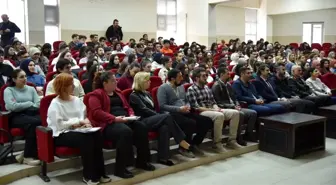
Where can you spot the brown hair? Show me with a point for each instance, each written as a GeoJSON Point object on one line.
{"type": "Point", "coordinates": [100, 78]}
{"type": "Point", "coordinates": [61, 82]}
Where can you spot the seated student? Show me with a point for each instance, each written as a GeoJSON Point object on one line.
{"type": "Point", "coordinates": [122, 69]}
{"type": "Point", "coordinates": [179, 59]}
{"type": "Point", "coordinates": [62, 47]}
{"type": "Point", "coordinates": [126, 80]}
{"type": "Point", "coordinates": [67, 55]}
{"type": "Point", "coordinates": [246, 91]}
{"type": "Point", "coordinates": [265, 88]}
{"type": "Point", "coordinates": [167, 64]}
{"type": "Point", "coordinates": [146, 66]}
{"type": "Point", "coordinates": [300, 87]}
{"type": "Point", "coordinates": [201, 98]}
{"type": "Point", "coordinates": [91, 74]}
{"type": "Point", "coordinates": [156, 64]}
{"type": "Point", "coordinates": [91, 62]}
{"type": "Point", "coordinates": [89, 53]}
{"type": "Point", "coordinates": [6, 70]}
{"type": "Point", "coordinates": [172, 98]}
{"type": "Point", "coordinates": [64, 66]}
{"type": "Point", "coordinates": [23, 103]}
{"type": "Point", "coordinates": [318, 87]}
{"type": "Point", "coordinates": [143, 106]}
{"type": "Point", "coordinates": [114, 62]}
{"type": "Point", "coordinates": [207, 70]}
{"type": "Point", "coordinates": [183, 68]}
{"type": "Point", "coordinates": [166, 47]}
{"type": "Point", "coordinates": [107, 110]}
{"type": "Point", "coordinates": [226, 99]}
{"type": "Point", "coordinates": [279, 82]}
{"type": "Point", "coordinates": [66, 113]}
{"type": "Point", "coordinates": [41, 62]}
{"type": "Point", "coordinates": [28, 66]}
{"type": "Point", "coordinates": [100, 55]}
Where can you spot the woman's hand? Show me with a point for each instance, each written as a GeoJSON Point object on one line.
{"type": "Point", "coordinates": [120, 119]}
{"type": "Point", "coordinates": [76, 126]}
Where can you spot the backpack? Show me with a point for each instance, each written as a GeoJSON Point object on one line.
{"type": "Point", "coordinates": [5, 150]}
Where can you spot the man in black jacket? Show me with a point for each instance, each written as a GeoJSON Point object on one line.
{"type": "Point", "coordinates": [114, 31]}
{"type": "Point", "coordinates": [283, 90]}
{"type": "Point", "coordinates": [7, 31]}
{"type": "Point", "coordinates": [302, 90]}
{"type": "Point", "coordinates": [226, 99]}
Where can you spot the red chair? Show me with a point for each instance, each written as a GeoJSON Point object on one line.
{"type": "Point", "coordinates": [126, 93]}
{"type": "Point", "coordinates": [14, 132]}
{"type": "Point", "coordinates": [155, 82]}
{"type": "Point", "coordinates": [114, 71]}
{"type": "Point", "coordinates": [232, 74]}
{"type": "Point", "coordinates": [294, 45]}
{"type": "Point", "coordinates": [213, 76]}
{"type": "Point", "coordinates": [56, 45]}
{"type": "Point", "coordinates": [45, 142]}
{"type": "Point", "coordinates": [186, 86]}
{"type": "Point", "coordinates": [82, 65]}
{"type": "Point", "coordinates": [316, 46]}
{"type": "Point", "coordinates": [326, 45]}
{"type": "Point", "coordinates": [45, 88]}
{"type": "Point", "coordinates": [230, 67]}
{"type": "Point", "coordinates": [121, 56]}
{"type": "Point", "coordinates": [329, 80]}
{"type": "Point", "coordinates": [105, 65]}
{"type": "Point", "coordinates": [154, 96]}
{"type": "Point", "coordinates": [50, 76]}
{"type": "Point", "coordinates": [80, 74]}
{"type": "Point", "coordinates": [51, 68]}
{"type": "Point", "coordinates": [171, 55]}
{"type": "Point", "coordinates": [84, 82]}
{"type": "Point", "coordinates": [210, 84]}
{"type": "Point", "coordinates": [156, 72]}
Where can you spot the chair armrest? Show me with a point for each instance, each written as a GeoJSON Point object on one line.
{"type": "Point", "coordinates": [4, 126]}
{"type": "Point", "coordinates": [243, 104]}
{"type": "Point", "coordinates": [45, 144]}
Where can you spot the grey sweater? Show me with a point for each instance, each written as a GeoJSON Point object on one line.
{"type": "Point", "coordinates": [17, 100]}
{"type": "Point", "coordinates": [168, 100]}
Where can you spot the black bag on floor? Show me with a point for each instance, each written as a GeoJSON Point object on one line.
{"type": "Point", "coordinates": [5, 150]}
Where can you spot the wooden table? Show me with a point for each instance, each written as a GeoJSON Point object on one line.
{"type": "Point", "coordinates": [330, 113]}
{"type": "Point", "coordinates": [292, 134]}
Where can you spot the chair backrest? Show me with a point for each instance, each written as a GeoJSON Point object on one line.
{"type": "Point", "coordinates": [155, 99]}
{"type": "Point", "coordinates": [121, 56]}
{"type": "Point", "coordinates": [80, 74]}
{"type": "Point", "coordinates": [82, 65]}
{"type": "Point", "coordinates": [210, 84]}
{"type": "Point", "coordinates": [329, 80]}
{"type": "Point", "coordinates": [45, 88]}
{"type": "Point", "coordinates": [105, 65]}
{"type": "Point", "coordinates": [156, 72]}
{"type": "Point", "coordinates": [126, 93]}
{"type": "Point", "coordinates": [155, 82]}
{"type": "Point", "coordinates": [44, 106]}
{"type": "Point", "coordinates": [51, 68]}
{"type": "Point", "coordinates": [186, 86]}
{"type": "Point", "coordinates": [83, 82]}
{"type": "Point", "coordinates": [50, 76]}
{"type": "Point", "coordinates": [114, 71]}
{"type": "Point", "coordinates": [2, 91]}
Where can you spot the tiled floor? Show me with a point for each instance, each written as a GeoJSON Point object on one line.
{"type": "Point", "coordinates": [259, 168]}
{"type": "Point", "coordinates": [256, 168]}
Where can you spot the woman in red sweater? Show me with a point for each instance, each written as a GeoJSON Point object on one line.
{"type": "Point", "coordinates": [107, 109]}
{"type": "Point", "coordinates": [126, 80]}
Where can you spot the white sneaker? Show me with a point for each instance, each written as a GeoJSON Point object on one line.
{"type": "Point", "coordinates": [19, 158]}
{"type": "Point", "coordinates": [105, 179]}
{"type": "Point", "coordinates": [218, 147]}
{"type": "Point", "coordinates": [89, 182]}
{"type": "Point", "coordinates": [31, 161]}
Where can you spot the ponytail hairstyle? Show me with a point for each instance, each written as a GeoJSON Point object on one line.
{"type": "Point", "coordinates": [100, 78]}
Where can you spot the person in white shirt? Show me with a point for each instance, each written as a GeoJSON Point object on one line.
{"type": "Point", "coordinates": [66, 116]}
{"type": "Point", "coordinates": [64, 66]}
{"type": "Point", "coordinates": [118, 49]}
{"type": "Point", "coordinates": [167, 63]}
{"type": "Point", "coordinates": [67, 55]}
{"type": "Point", "coordinates": [89, 52]}
{"type": "Point", "coordinates": [315, 84]}
{"type": "Point", "coordinates": [62, 48]}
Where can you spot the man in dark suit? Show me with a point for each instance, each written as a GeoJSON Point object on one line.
{"type": "Point", "coordinates": [7, 31]}
{"type": "Point", "coordinates": [281, 86]}
{"type": "Point", "coordinates": [226, 99]}
{"type": "Point", "coordinates": [266, 90]}
{"type": "Point", "coordinates": [114, 31]}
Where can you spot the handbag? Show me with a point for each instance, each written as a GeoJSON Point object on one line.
{"type": "Point", "coordinates": [5, 150]}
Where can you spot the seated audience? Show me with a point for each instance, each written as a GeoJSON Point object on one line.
{"type": "Point", "coordinates": [67, 113]}
{"type": "Point", "coordinates": [178, 60]}
{"type": "Point", "coordinates": [201, 98]}
{"type": "Point", "coordinates": [318, 87]}
{"type": "Point", "coordinates": [117, 48]}
{"type": "Point", "coordinates": [107, 110]}
{"type": "Point", "coordinates": [91, 62]}
{"type": "Point", "coordinates": [166, 47]}
{"type": "Point", "coordinates": [164, 124]}
{"type": "Point", "coordinates": [40, 61]}
{"type": "Point", "coordinates": [28, 66]}
{"type": "Point", "coordinates": [126, 80]}
{"type": "Point", "coordinates": [62, 47]}
{"type": "Point", "coordinates": [172, 98]}
{"type": "Point", "coordinates": [122, 69]}
{"type": "Point", "coordinates": [246, 92]}
{"type": "Point", "coordinates": [113, 63]}
{"type": "Point", "coordinates": [207, 70]}
{"type": "Point", "coordinates": [148, 55]}
{"type": "Point", "coordinates": [226, 99]}
{"type": "Point", "coordinates": [23, 102]}
{"type": "Point", "coordinates": [64, 66]}
{"type": "Point", "coordinates": [157, 61]}
{"type": "Point", "coordinates": [324, 66]}
{"type": "Point", "coordinates": [89, 53]}
{"type": "Point", "coordinates": [91, 74]}
{"type": "Point", "coordinates": [301, 88]}
{"type": "Point", "coordinates": [6, 70]}
{"type": "Point", "coordinates": [100, 55]}
{"type": "Point", "coordinates": [183, 68]}
{"type": "Point", "coordinates": [146, 66]}
{"type": "Point", "coordinates": [282, 89]}
{"type": "Point", "coordinates": [167, 64]}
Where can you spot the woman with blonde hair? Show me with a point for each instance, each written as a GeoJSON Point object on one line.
{"type": "Point", "coordinates": [143, 106]}
{"type": "Point", "coordinates": [67, 113]}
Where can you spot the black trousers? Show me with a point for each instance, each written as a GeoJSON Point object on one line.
{"type": "Point", "coordinates": [303, 105]}
{"type": "Point", "coordinates": [29, 124]}
{"type": "Point", "coordinates": [319, 101]}
{"type": "Point", "coordinates": [123, 136]}
{"type": "Point", "coordinates": [90, 146]}
{"type": "Point", "coordinates": [166, 126]}
{"type": "Point", "coordinates": [193, 123]}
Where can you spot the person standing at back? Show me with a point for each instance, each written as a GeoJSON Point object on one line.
{"type": "Point", "coordinates": [7, 31]}
{"type": "Point", "coordinates": [114, 31]}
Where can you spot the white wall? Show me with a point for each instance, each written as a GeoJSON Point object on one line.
{"type": "Point", "coordinates": [242, 3]}
{"type": "Point", "coordinates": [289, 26]}
{"type": "Point", "coordinates": [136, 17]}
{"type": "Point", "coordinates": [290, 6]}
{"type": "Point", "coordinates": [230, 22]}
